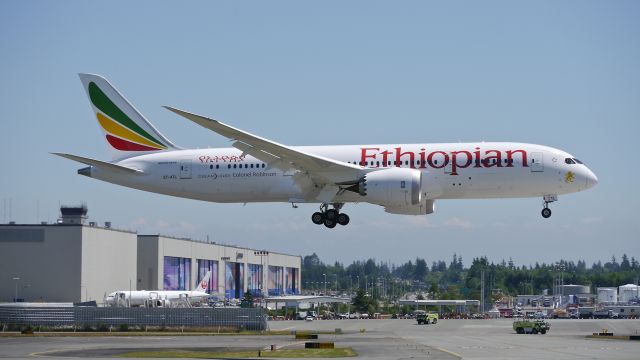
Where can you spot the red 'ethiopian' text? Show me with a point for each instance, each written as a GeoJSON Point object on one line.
{"type": "Point", "coordinates": [460, 159]}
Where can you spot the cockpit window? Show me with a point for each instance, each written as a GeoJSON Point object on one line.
{"type": "Point", "coordinates": [578, 161]}
{"type": "Point", "coordinates": [569, 161]}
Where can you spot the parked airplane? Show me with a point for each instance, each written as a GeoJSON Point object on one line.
{"type": "Point", "coordinates": [160, 298]}
{"type": "Point", "coordinates": [403, 178]}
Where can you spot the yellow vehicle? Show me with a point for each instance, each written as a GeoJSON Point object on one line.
{"type": "Point", "coordinates": [424, 317]}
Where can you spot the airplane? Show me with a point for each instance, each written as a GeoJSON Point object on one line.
{"type": "Point", "coordinates": [405, 179]}
{"type": "Point", "coordinates": [159, 298]}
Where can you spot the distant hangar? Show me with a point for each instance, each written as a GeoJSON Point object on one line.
{"type": "Point", "coordinates": [73, 261]}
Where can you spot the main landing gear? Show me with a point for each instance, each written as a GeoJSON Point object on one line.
{"type": "Point", "coordinates": [330, 217]}
{"type": "Point", "coordinates": [546, 212]}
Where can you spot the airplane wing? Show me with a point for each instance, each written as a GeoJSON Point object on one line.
{"type": "Point", "coordinates": [326, 173]}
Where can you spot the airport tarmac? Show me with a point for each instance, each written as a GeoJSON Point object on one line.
{"type": "Point", "coordinates": [374, 339]}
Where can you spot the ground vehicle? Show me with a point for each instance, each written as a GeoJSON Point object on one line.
{"type": "Point", "coordinates": [424, 317]}
{"type": "Point", "coordinates": [605, 314]}
{"type": "Point", "coordinates": [531, 327]}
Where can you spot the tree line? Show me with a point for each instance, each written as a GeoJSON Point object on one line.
{"type": "Point", "coordinates": [452, 280]}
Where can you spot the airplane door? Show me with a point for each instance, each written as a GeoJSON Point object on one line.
{"type": "Point", "coordinates": [537, 162]}
{"type": "Point", "coordinates": [185, 169]}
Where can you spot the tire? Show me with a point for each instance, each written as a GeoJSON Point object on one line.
{"type": "Point", "coordinates": [343, 219]}
{"type": "Point", "coordinates": [331, 214]}
{"type": "Point", "coordinates": [546, 213]}
{"type": "Point", "coordinates": [329, 223]}
{"type": "Point", "coordinates": [534, 331]}
{"type": "Point", "coordinates": [543, 332]}
{"type": "Point", "coordinates": [317, 218]}
{"type": "Point", "coordinates": [434, 321]}
{"type": "Point", "coordinates": [519, 330]}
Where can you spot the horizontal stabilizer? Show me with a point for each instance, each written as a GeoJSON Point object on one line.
{"type": "Point", "coordinates": [99, 164]}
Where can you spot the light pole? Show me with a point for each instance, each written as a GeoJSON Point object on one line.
{"type": "Point", "coordinates": [336, 275]}
{"type": "Point", "coordinates": [358, 276]}
{"type": "Point", "coordinates": [325, 284]}
{"type": "Point", "coordinates": [16, 279]}
{"type": "Point", "coordinates": [366, 285]}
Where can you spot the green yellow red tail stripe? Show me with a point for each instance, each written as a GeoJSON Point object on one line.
{"type": "Point", "coordinates": [121, 132]}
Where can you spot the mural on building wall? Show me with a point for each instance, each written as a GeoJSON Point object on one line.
{"type": "Point", "coordinates": [234, 276]}
{"type": "Point", "coordinates": [254, 279]}
{"type": "Point", "coordinates": [177, 273]}
{"type": "Point", "coordinates": [276, 280]}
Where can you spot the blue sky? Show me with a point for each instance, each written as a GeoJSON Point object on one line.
{"type": "Point", "coordinates": [564, 74]}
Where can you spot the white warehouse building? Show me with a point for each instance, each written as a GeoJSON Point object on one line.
{"type": "Point", "coordinates": [72, 261]}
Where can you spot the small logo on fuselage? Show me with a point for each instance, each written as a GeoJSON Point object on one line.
{"type": "Point", "coordinates": [569, 177]}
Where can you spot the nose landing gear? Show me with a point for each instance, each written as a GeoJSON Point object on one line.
{"type": "Point", "coordinates": [330, 217]}
{"type": "Point", "coordinates": [546, 212]}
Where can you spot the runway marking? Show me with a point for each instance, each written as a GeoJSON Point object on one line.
{"type": "Point", "coordinates": [448, 352]}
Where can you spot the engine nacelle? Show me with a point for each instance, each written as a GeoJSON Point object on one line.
{"type": "Point", "coordinates": [394, 187]}
{"type": "Point", "coordinates": [424, 208]}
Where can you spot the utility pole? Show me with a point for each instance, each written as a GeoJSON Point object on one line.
{"type": "Point", "coordinates": [482, 291]}
{"type": "Point", "coordinates": [16, 279]}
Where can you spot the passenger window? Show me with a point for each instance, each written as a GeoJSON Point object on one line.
{"type": "Point", "coordinates": [406, 162]}
{"type": "Point", "coordinates": [217, 166]}
{"type": "Point", "coordinates": [377, 163]}
{"type": "Point", "coordinates": [262, 165]}
{"type": "Point", "coordinates": [235, 166]}
{"type": "Point", "coordinates": [229, 166]}
{"type": "Point", "coordinates": [210, 166]}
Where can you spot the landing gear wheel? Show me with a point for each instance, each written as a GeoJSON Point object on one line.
{"type": "Point", "coordinates": [330, 223]}
{"type": "Point", "coordinates": [317, 218]}
{"type": "Point", "coordinates": [546, 213]}
{"type": "Point", "coordinates": [331, 214]}
{"type": "Point", "coordinates": [343, 219]}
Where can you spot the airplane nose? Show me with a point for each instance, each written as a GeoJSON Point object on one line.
{"type": "Point", "coordinates": [592, 179]}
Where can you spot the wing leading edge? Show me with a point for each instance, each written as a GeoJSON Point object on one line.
{"type": "Point", "coordinates": [325, 173]}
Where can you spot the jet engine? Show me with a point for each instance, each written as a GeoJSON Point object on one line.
{"type": "Point", "coordinates": [393, 187]}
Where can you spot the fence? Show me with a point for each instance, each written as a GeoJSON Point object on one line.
{"type": "Point", "coordinates": [234, 318]}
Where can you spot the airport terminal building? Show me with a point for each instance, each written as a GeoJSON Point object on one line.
{"type": "Point", "coordinates": [73, 261]}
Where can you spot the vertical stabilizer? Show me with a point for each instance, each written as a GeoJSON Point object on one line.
{"type": "Point", "coordinates": [202, 285]}
{"type": "Point", "coordinates": [126, 131]}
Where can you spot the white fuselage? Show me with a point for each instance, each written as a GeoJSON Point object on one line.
{"type": "Point", "coordinates": [155, 298]}
{"type": "Point", "coordinates": [449, 171]}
